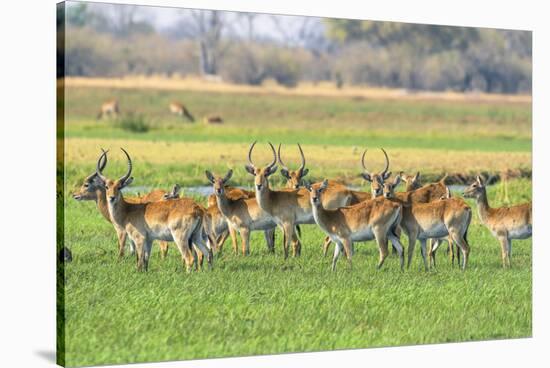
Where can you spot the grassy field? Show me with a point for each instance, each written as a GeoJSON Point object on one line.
{"type": "Point", "coordinates": [261, 304]}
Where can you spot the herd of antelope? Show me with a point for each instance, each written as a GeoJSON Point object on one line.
{"type": "Point", "coordinates": [110, 109]}
{"type": "Point", "coordinates": [422, 212]}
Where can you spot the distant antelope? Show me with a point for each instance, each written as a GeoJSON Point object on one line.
{"type": "Point", "coordinates": [173, 194]}
{"type": "Point", "coordinates": [505, 223]}
{"type": "Point", "coordinates": [288, 208]}
{"type": "Point", "coordinates": [372, 219]}
{"type": "Point", "coordinates": [431, 220]}
{"type": "Point", "coordinates": [242, 214]}
{"type": "Point", "coordinates": [178, 220]}
{"type": "Point", "coordinates": [177, 108]}
{"type": "Point", "coordinates": [92, 189]}
{"type": "Point", "coordinates": [109, 109]}
{"type": "Point", "coordinates": [213, 119]}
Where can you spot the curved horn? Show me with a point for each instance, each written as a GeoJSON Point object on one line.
{"type": "Point", "coordinates": [104, 162]}
{"type": "Point", "coordinates": [363, 161]}
{"type": "Point", "coordinates": [303, 166]}
{"type": "Point", "coordinates": [280, 159]}
{"type": "Point", "coordinates": [127, 175]}
{"type": "Point", "coordinates": [99, 166]}
{"type": "Point", "coordinates": [387, 162]}
{"type": "Point", "coordinates": [274, 156]}
{"type": "Point", "coordinates": [250, 154]}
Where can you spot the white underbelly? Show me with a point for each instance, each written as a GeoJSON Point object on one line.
{"type": "Point", "coordinates": [363, 235]}
{"type": "Point", "coordinates": [161, 233]}
{"type": "Point", "coordinates": [263, 224]}
{"type": "Point", "coordinates": [523, 232]}
{"type": "Point", "coordinates": [437, 231]}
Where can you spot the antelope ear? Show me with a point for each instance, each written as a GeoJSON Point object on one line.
{"type": "Point", "coordinates": [228, 176]}
{"type": "Point", "coordinates": [304, 172]}
{"type": "Point", "coordinates": [284, 173]}
{"type": "Point", "coordinates": [307, 185]}
{"type": "Point", "coordinates": [366, 176]}
{"type": "Point", "coordinates": [96, 179]}
{"type": "Point", "coordinates": [209, 176]}
{"type": "Point", "coordinates": [272, 170]}
{"type": "Point", "coordinates": [324, 186]}
{"type": "Point", "coordinates": [386, 175]}
{"type": "Point", "coordinates": [250, 169]}
{"type": "Point", "coordinates": [127, 182]}
{"type": "Point", "coordinates": [417, 176]}
{"type": "Point", "coordinates": [396, 181]}
{"type": "Point", "coordinates": [479, 181]}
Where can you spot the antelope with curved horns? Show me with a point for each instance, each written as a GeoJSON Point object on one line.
{"type": "Point", "coordinates": [413, 182]}
{"type": "Point", "coordinates": [372, 219]}
{"type": "Point", "coordinates": [92, 189]}
{"type": "Point", "coordinates": [178, 220]}
{"type": "Point", "coordinates": [431, 220]}
{"type": "Point", "coordinates": [336, 195]}
{"type": "Point", "coordinates": [242, 214]}
{"type": "Point", "coordinates": [376, 179]}
{"type": "Point", "coordinates": [505, 223]}
{"type": "Point", "coordinates": [179, 109]}
{"type": "Point", "coordinates": [109, 108]}
{"type": "Point", "coordinates": [288, 208]}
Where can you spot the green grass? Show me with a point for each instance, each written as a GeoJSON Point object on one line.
{"type": "Point", "coordinates": [439, 125]}
{"type": "Point", "coordinates": [263, 305]}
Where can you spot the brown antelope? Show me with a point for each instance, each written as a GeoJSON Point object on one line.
{"type": "Point", "coordinates": [178, 220]}
{"type": "Point", "coordinates": [242, 214]}
{"type": "Point", "coordinates": [413, 182]}
{"type": "Point", "coordinates": [288, 208]}
{"type": "Point", "coordinates": [431, 220]}
{"type": "Point", "coordinates": [177, 108]}
{"type": "Point", "coordinates": [372, 219]}
{"type": "Point", "coordinates": [92, 189]}
{"type": "Point", "coordinates": [335, 195]}
{"type": "Point", "coordinates": [213, 119]}
{"type": "Point", "coordinates": [505, 223]}
{"type": "Point", "coordinates": [109, 109]}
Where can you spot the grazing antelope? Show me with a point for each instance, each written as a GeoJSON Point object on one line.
{"type": "Point", "coordinates": [413, 182]}
{"type": "Point", "coordinates": [435, 219]}
{"type": "Point", "coordinates": [335, 195]}
{"type": "Point", "coordinates": [177, 108]}
{"type": "Point", "coordinates": [242, 214]}
{"type": "Point", "coordinates": [178, 220]}
{"type": "Point", "coordinates": [92, 189]}
{"type": "Point", "coordinates": [505, 223]}
{"type": "Point", "coordinates": [372, 219]}
{"type": "Point", "coordinates": [213, 119]}
{"type": "Point", "coordinates": [288, 208]}
{"type": "Point", "coordinates": [109, 109]}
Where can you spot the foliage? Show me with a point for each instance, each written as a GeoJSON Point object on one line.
{"type": "Point", "coordinates": [354, 52]}
{"type": "Point", "coordinates": [135, 123]}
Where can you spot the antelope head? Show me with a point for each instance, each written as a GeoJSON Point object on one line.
{"type": "Point", "coordinates": [113, 187]}
{"type": "Point", "coordinates": [376, 179]}
{"type": "Point", "coordinates": [174, 193]}
{"type": "Point", "coordinates": [388, 187]}
{"type": "Point", "coordinates": [92, 183]}
{"type": "Point", "coordinates": [218, 182]}
{"type": "Point", "coordinates": [294, 177]}
{"type": "Point", "coordinates": [476, 189]}
{"type": "Point", "coordinates": [261, 173]}
{"type": "Point", "coordinates": [412, 182]}
{"type": "Point", "coordinates": [315, 193]}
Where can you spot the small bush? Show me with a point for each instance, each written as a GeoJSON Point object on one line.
{"type": "Point", "coordinates": [135, 123]}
